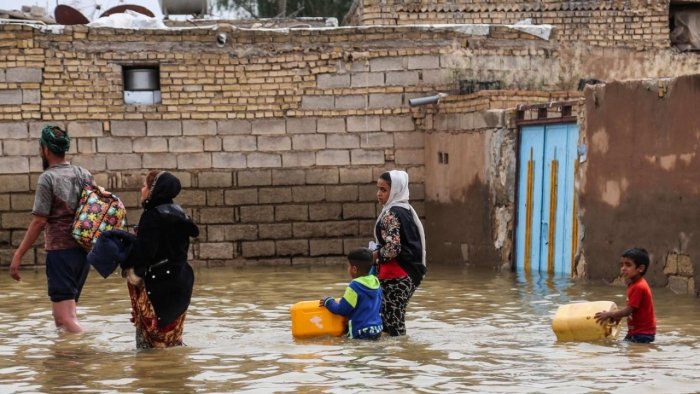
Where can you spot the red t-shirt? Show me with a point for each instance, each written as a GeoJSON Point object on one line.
{"type": "Point", "coordinates": [642, 320]}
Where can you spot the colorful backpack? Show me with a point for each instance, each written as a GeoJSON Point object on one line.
{"type": "Point", "coordinates": [98, 211]}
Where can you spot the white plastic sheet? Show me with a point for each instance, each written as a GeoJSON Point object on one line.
{"type": "Point", "coordinates": [128, 20]}
{"type": "Point", "coordinates": [686, 33]}
{"type": "Point", "coordinates": [526, 26]}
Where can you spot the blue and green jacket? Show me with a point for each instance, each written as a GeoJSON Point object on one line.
{"type": "Point", "coordinates": [360, 304]}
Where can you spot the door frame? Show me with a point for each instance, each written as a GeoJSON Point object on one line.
{"type": "Point", "coordinates": [539, 115]}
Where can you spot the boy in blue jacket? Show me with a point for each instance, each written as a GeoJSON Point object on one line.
{"type": "Point", "coordinates": [362, 298]}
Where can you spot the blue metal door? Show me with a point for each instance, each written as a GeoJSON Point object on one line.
{"type": "Point", "coordinates": [546, 233]}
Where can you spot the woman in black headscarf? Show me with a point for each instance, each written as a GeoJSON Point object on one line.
{"type": "Point", "coordinates": [159, 278]}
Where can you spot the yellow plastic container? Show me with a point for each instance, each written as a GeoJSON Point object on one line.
{"type": "Point", "coordinates": [311, 320]}
{"type": "Point", "coordinates": [576, 322]}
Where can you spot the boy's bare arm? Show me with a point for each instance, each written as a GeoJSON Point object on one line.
{"type": "Point", "coordinates": [603, 317]}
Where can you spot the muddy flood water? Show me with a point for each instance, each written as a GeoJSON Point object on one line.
{"type": "Point", "coordinates": [469, 331]}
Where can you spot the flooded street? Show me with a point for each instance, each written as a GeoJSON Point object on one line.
{"type": "Point", "coordinates": [469, 331]}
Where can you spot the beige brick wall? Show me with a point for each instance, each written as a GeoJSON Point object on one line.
{"type": "Point", "coordinates": [268, 180]}
{"type": "Point", "coordinates": [249, 203]}
{"type": "Point", "coordinates": [229, 137]}
{"type": "Point", "coordinates": [277, 137]}
{"type": "Point", "coordinates": [639, 24]}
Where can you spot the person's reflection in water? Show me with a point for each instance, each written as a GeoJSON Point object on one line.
{"type": "Point", "coordinates": [67, 364]}
{"type": "Point", "coordinates": [75, 366]}
{"type": "Point", "coordinates": [167, 370]}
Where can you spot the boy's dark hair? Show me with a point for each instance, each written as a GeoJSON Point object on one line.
{"type": "Point", "coordinates": [362, 259]}
{"type": "Point", "coordinates": [639, 256]}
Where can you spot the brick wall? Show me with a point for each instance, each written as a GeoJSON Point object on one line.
{"type": "Point", "coordinates": [257, 201]}
{"type": "Point", "coordinates": [278, 140]}
{"type": "Point", "coordinates": [679, 269]}
{"type": "Point", "coordinates": [278, 136]}
{"type": "Point", "coordinates": [642, 24]}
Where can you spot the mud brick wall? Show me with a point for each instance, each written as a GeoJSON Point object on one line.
{"type": "Point", "coordinates": [616, 23]}
{"type": "Point", "coordinates": [638, 184]}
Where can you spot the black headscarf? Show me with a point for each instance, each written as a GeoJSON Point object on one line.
{"type": "Point", "coordinates": [165, 188]}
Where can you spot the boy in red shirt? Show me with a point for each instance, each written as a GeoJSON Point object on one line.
{"type": "Point", "coordinates": [641, 321]}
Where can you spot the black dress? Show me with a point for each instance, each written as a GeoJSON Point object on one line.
{"type": "Point", "coordinates": [159, 254]}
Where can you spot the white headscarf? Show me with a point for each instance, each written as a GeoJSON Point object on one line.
{"type": "Point", "coordinates": [398, 197]}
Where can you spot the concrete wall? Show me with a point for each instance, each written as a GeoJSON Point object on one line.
{"type": "Point", "coordinates": [458, 201]}
{"type": "Point", "coordinates": [640, 183]}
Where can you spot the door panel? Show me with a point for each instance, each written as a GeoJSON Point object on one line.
{"type": "Point", "coordinates": [530, 201]}
{"type": "Point", "coordinates": [546, 211]}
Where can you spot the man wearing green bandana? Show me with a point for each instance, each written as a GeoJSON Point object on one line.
{"type": "Point", "coordinates": [56, 199]}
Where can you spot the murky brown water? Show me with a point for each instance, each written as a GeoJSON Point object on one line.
{"type": "Point", "coordinates": [468, 332]}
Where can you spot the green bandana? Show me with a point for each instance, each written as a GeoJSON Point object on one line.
{"type": "Point", "coordinates": [55, 144]}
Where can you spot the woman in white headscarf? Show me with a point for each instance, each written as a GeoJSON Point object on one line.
{"type": "Point", "coordinates": [401, 254]}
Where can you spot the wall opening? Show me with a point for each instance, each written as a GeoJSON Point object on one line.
{"type": "Point", "coordinates": [141, 85]}
{"type": "Point", "coordinates": [684, 25]}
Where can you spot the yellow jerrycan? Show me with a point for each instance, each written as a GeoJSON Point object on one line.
{"type": "Point", "coordinates": [576, 322]}
{"type": "Point", "coordinates": [311, 320]}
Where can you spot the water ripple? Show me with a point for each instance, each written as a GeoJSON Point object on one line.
{"type": "Point", "coordinates": [468, 332]}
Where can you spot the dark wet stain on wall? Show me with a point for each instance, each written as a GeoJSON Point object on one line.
{"type": "Point", "coordinates": [460, 232]}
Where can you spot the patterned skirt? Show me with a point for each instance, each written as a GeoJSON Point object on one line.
{"type": "Point", "coordinates": [148, 334]}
